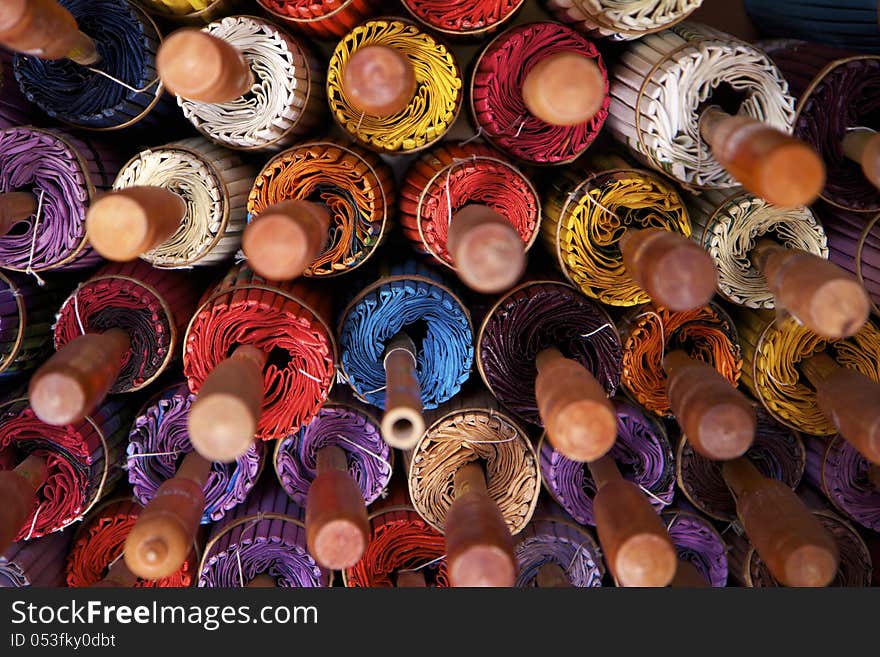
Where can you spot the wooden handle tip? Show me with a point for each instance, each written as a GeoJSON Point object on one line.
{"type": "Point", "coordinates": [379, 80]}
{"type": "Point", "coordinates": [58, 398]}
{"type": "Point", "coordinates": [198, 66]}
{"type": "Point", "coordinates": [285, 238]}
{"type": "Point", "coordinates": [791, 175]}
{"type": "Point", "coordinates": [810, 566]}
{"type": "Point", "coordinates": [839, 308]}
{"type": "Point", "coordinates": [564, 89]}
{"type": "Point", "coordinates": [727, 430]}
{"type": "Point", "coordinates": [646, 560]}
{"type": "Point", "coordinates": [488, 253]}
{"type": "Point", "coordinates": [482, 566]}
{"type": "Point", "coordinates": [222, 427]}
{"type": "Point", "coordinates": [402, 427]}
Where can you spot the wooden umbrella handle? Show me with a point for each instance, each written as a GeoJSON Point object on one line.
{"type": "Point", "coordinates": [15, 207]}
{"type": "Point", "coordinates": [45, 29]}
{"type": "Point", "coordinates": [379, 80]}
{"type": "Point", "coordinates": [635, 542]}
{"type": "Point", "coordinates": [551, 575]}
{"type": "Point", "coordinates": [411, 579]}
{"type": "Point", "coordinates": [479, 547]}
{"type": "Point", "coordinates": [263, 581]}
{"type": "Point", "coordinates": [125, 224]}
{"type": "Point", "coordinates": [402, 423]}
{"type": "Point", "coordinates": [488, 253]}
{"type": "Point", "coordinates": [675, 271]}
{"type": "Point", "coordinates": [163, 535]}
{"type": "Point", "coordinates": [717, 418]}
{"type": "Point", "coordinates": [223, 419]}
{"type": "Point", "coordinates": [688, 577]}
{"type": "Point", "coordinates": [286, 238]}
{"type": "Point", "coordinates": [795, 546]}
{"type": "Point", "coordinates": [18, 488]}
{"type": "Point", "coordinates": [769, 163]}
{"type": "Point", "coordinates": [578, 416]}
{"type": "Point", "coordinates": [566, 88]}
{"type": "Point", "coordinates": [76, 378]}
{"type": "Point", "coordinates": [862, 146]}
{"type": "Point", "coordinates": [199, 66]}
{"type": "Point", "coordinates": [827, 299]}
{"type": "Point", "coordinates": [337, 528]}
{"type": "Point", "coordinates": [850, 400]}
{"type": "Point", "coordinates": [118, 576]}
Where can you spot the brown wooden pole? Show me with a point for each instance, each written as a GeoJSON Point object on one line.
{"type": "Point", "coordinates": [45, 29]}
{"type": "Point", "coordinates": [551, 575]}
{"type": "Point", "coordinates": [479, 547]}
{"type": "Point", "coordinates": [717, 418]}
{"type": "Point", "coordinates": [637, 547]}
{"type": "Point", "coordinates": [118, 576]}
{"type": "Point", "coordinates": [263, 581]}
{"type": "Point", "coordinates": [18, 488]}
{"type": "Point", "coordinates": [675, 271]}
{"type": "Point", "coordinates": [578, 417]}
{"type": "Point", "coordinates": [77, 377]}
{"type": "Point", "coordinates": [198, 66]}
{"type": "Point", "coordinates": [337, 528]}
{"type": "Point", "coordinates": [688, 577]}
{"type": "Point", "coordinates": [564, 89]}
{"type": "Point", "coordinates": [850, 400]}
{"type": "Point", "coordinates": [411, 579]}
{"type": "Point", "coordinates": [15, 207]}
{"type": "Point", "coordinates": [794, 545]}
{"type": "Point", "coordinates": [286, 238]}
{"type": "Point", "coordinates": [487, 251]}
{"type": "Point", "coordinates": [827, 299]}
{"type": "Point", "coordinates": [125, 224]}
{"type": "Point", "coordinates": [402, 424]}
{"type": "Point", "coordinates": [163, 535]}
{"type": "Point", "coordinates": [769, 163]}
{"type": "Point", "coordinates": [379, 80]}
{"type": "Point", "coordinates": [223, 420]}
{"type": "Point", "coordinates": [862, 146]}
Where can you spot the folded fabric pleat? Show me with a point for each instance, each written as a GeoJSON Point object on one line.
{"type": "Point", "coordinates": [845, 23]}
{"type": "Point", "coordinates": [497, 103]}
{"type": "Point", "coordinates": [158, 443]}
{"type": "Point", "coordinates": [355, 186]}
{"type": "Point", "coordinates": [835, 90]}
{"type": "Point", "coordinates": [854, 245]}
{"type": "Point", "coordinates": [213, 183]}
{"type": "Point", "coordinates": [286, 320]}
{"type": "Point", "coordinates": [699, 543]}
{"type": "Point", "coordinates": [838, 470]}
{"type": "Point", "coordinates": [772, 351]}
{"type": "Point", "coordinates": [286, 100]}
{"type": "Point", "coordinates": [662, 83]}
{"type": "Point", "coordinates": [456, 18]}
{"type": "Point", "coordinates": [38, 562]}
{"type": "Point", "coordinates": [411, 296]}
{"type": "Point", "coordinates": [650, 332]}
{"type": "Point", "coordinates": [621, 21]}
{"type": "Point", "coordinates": [27, 311]}
{"type": "Point", "coordinates": [263, 536]}
{"type": "Point", "coordinates": [728, 223]}
{"type": "Point", "coordinates": [549, 539]}
{"type": "Point", "coordinates": [84, 460]}
{"type": "Point", "coordinates": [322, 19]}
{"type": "Point", "coordinates": [100, 540]}
{"type": "Point", "coordinates": [587, 214]}
{"type": "Point", "coordinates": [400, 540]}
{"type": "Point", "coordinates": [469, 429]}
{"type": "Point", "coordinates": [536, 316]}
{"type": "Point", "coordinates": [66, 172]}
{"type": "Point", "coordinates": [348, 426]}
{"type": "Point", "coordinates": [151, 305]}
{"type": "Point", "coordinates": [449, 177]}
{"type": "Point", "coordinates": [434, 106]}
{"type": "Point", "coordinates": [777, 453]}
{"type": "Point", "coordinates": [127, 40]}
{"type": "Point", "coordinates": [642, 452]}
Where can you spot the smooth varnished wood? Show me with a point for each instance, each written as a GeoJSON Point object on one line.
{"type": "Point", "coordinates": [564, 89]}
{"type": "Point", "coordinates": [487, 251]}
{"type": "Point", "coordinates": [18, 488]}
{"type": "Point", "coordinates": [402, 423]}
{"type": "Point", "coordinates": [379, 80]}
{"type": "Point", "coordinates": [862, 146]}
{"type": "Point", "coordinates": [15, 207]}
{"type": "Point", "coordinates": [45, 29]}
